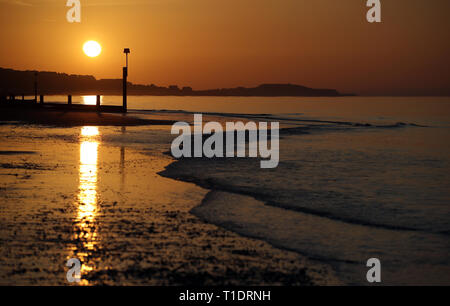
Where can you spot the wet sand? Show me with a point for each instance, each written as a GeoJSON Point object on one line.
{"type": "Point", "coordinates": [83, 193]}
{"type": "Point", "coordinates": [72, 118]}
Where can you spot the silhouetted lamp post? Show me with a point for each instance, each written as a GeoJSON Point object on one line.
{"type": "Point", "coordinates": [125, 75]}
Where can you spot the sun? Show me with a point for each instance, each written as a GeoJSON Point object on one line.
{"type": "Point", "coordinates": [92, 48]}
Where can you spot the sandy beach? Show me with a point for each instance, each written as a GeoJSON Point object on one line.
{"type": "Point", "coordinates": [224, 151]}
{"type": "Point", "coordinates": [55, 117]}
{"type": "Point", "coordinates": [92, 193]}
{"type": "Point", "coordinates": [105, 189]}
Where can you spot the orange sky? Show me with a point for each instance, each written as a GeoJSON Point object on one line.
{"type": "Point", "coordinates": [227, 43]}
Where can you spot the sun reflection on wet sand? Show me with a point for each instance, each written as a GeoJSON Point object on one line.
{"type": "Point", "coordinates": [85, 225]}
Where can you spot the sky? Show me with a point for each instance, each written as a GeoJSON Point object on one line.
{"type": "Point", "coordinates": [227, 43]}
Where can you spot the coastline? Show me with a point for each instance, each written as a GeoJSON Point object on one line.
{"type": "Point", "coordinates": [137, 230]}
{"type": "Point", "coordinates": [280, 206]}
{"type": "Point", "coordinates": [73, 117]}
{"type": "Point", "coordinates": [246, 214]}
{"type": "Point", "coordinates": [270, 226]}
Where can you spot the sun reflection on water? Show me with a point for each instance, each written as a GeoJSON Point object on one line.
{"type": "Point", "coordinates": [90, 100]}
{"type": "Point", "coordinates": [85, 225]}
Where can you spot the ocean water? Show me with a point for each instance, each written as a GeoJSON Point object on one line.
{"type": "Point", "coordinates": [362, 178]}
{"type": "Point", "coordinates": [420, 109]}
{"type": "Point", "coordinates": [358, 178]}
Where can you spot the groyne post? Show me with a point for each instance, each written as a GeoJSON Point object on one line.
{"type": "Point", "coordinates": [98, 101]}
{"type": "Point", "coordinates": [69, 99]}
{"type": "Point", "coordinates": [125, 75]}
{"type": "Point", "coordinates": [41, 99]}
{"type": "Point", "coordinates": [124, 86]}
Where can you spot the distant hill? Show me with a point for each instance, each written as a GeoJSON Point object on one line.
{"type": "Point", "coordinates": [271, 90]}
{"type": "Point", "coordinates": [15, 82]}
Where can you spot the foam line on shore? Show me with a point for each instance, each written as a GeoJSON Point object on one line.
{"type": "Point", "coordinates": [272, 117]}
{"type": "Point", "coordinates": [172, 172]}
{"type": "Point", "coordinates": [316, 237]}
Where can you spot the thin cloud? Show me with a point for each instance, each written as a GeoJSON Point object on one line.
{"type": "Point", "coordinates": [16, 2]}
{"type": "Point", "coordinates": [84, 3]}
{"type": "Point", "coordinates": [115, 3]}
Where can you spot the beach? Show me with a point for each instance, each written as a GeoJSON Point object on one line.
{"type": "Point", "coordinates": [55, 117]}
{"type": "Point", "coordinates": [224, 151]}
{"type": "Point", "coordinates": [93, 193]}
{"type": "Point", "coordinates": [347, 188]}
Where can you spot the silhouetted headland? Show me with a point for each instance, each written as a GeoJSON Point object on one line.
{"type": "Point", "coordinates": [15, 82]}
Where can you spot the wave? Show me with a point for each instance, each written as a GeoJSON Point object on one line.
{"type": "Point", "coordinates": [338, 196]}
{"type": "Point", "coordinates": [175, 172]}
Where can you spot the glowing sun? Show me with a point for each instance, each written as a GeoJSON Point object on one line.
{"type": "Point", "coordinates": [92, 48]}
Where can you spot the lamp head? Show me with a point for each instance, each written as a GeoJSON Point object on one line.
{"type": "Point", "coordinates": [126, 50]}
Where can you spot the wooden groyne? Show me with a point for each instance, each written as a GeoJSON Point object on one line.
{"type": "Point", "coordinates": [13, 101]}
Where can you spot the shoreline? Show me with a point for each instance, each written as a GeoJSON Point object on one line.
{"type": "Point", "coordinates": [253, 228]}
{"type": "Point", "coordinates": [69, 118]}
{"type": "Point", "coordinates": [215, 209]}
{"type": "Point", "coordinates": [246, 201]}
{"type": "Point", "coordinates": [141, 230]}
